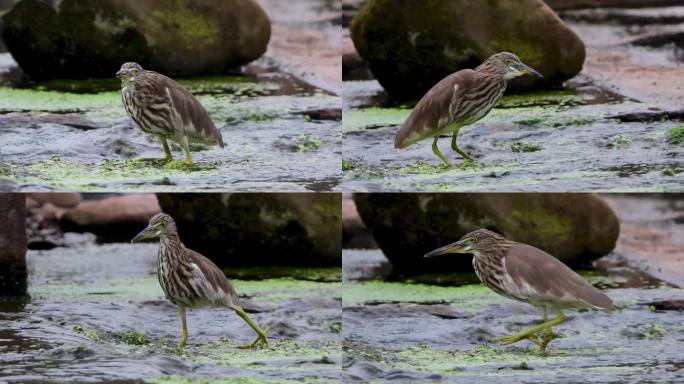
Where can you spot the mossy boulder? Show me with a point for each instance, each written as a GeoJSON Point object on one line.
{"type": "Point", "coordinates": [411, 45]}
{"type": "Point", "coordinates": [248, 229]}
{"type": "Point", "coordinates": [92, 38]}
{"type": "Point", "coordinates": [575, 228]}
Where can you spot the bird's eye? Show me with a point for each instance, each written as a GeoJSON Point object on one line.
{"type": "Point", "coordinates": [473, 240]}
{"type": "Point", "coordinates": [135, 70]}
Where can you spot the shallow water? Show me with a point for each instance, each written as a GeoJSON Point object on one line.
{"type": "Point", "coordinates": [397, 331]}
{"type": "Point", "coordinates": [75, 134]}
{"type": "Point", "coordinates": [97, 313]}
{"type": "Point", "coordinates": [602, 132]}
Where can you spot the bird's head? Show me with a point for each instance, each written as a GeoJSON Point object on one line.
{"type": "Point", "coordinates": [476, 242]}
{"type": "Point", "coordinates": [509, 66]}
{"type": "Point", "coordinates": [161, 225]}
{"type": "Point", "coordinates": [129, 72]}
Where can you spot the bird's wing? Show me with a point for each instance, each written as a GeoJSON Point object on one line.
{"type": "Point", "coordinates": [538, 274]}
{"type": "Point", "coordinates": [219, 291]}
{"type": "Point", "coordinates": [194, 118]}
{"type": "Point", "coordinates": [436, 109]}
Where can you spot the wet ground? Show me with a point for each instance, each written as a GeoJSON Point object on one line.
{"type": "Point", "coordinates": [612, 128]}
{"type": "Point", "coordinates": [280, 124]}
{"type": "Point", "coordinates": [439, 327]}
{"type": "Point", "coordinates": [97, 313]}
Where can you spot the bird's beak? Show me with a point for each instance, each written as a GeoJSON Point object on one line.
{"type": "Point", "coordinates": [148, 233]}
{"type": "Point", "coordinates": [122, 74]}
{"type": "Point", "coordinates": [457, 247]}
{"type": "Point", "coordinates": [526, 69]}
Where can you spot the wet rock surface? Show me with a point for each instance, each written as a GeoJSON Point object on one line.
{"type": "Point", "coordinates": [409, 46]}
{"type": "Point", "coordinates": [75, 135]}
{"type": "Point", "coordinates": [574, 228]}
{"type": "Point", "coordinates": [401, 332]}
{"type": "Point", "coordinates": [98, 313]}
{"type": "Point", "coordinates": [439, 327]}
{"type": "Point", "coordinates": [568, 140]}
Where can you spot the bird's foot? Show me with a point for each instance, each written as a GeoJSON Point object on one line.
{"type": "Point", "coordinates": [533, 337]}
{"type": "Point", "coordinates": [469, 164]}
{"type": "Point", "coordinates": [182, 343]}
{"type": "Point", "coordinates": [260, 342]}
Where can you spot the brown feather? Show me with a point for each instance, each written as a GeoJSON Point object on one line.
{"type": "Point", "coordinates": [215, 276]}
{"type": "Point", "coordinates": [189, 109]}
{"type": "Point", "coordinates": [550, 278]}
{"type": "Point", "coordinates": [450, 103]}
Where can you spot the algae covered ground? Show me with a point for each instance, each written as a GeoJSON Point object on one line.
{"type": "Point", "coordinates": [412, 332]}
{"type": "Point", "coordinates": [75, 135]}
{"type": "Point", "coordinates": [569, 140]}
{"type": "Point", "coordinates": [97, 313]}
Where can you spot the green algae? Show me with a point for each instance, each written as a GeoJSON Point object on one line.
{"type": "Point", "coordinates": [194, 30]}
{"type": "Point", "coordinates": [267, 291]}
{"type": "Point", "coordinates": [59, 173]}
{"type": "Point", "coordinates": [652, 330]}
{"type": "Point", "coordinates": [280, 355]}
{"type": "Point", "coordinates": [358, 119]}
{"type": "Point", "coordinates": [131, 338]}
{"type": "Point", "coordinates": [234, 380]}
{"type": "Point", "coordinates": [324, 275]}
{"type": "Point", "coordinates": [113, 289]}
{"type": "Point", "coordinates": [421, 167]}
{"type": "Point", "coordinates": [468, 297]}
{"type": "Point", "coordinates": [88, 332]}
{"type": "Point", "coordinates": [675, 136]}
{"type": "Point", "coordinates": [620, 141]}
{"type": "Point", "coordinates": [308, 143]}
{"type": "Point", "coordinates": [557, 99]}
{"type": "Point", "coordinates": [525, 147]}
{"type": "Point", "coordinates": [347, 165]}
{"type": "Point", "coordinates": [274, 291]}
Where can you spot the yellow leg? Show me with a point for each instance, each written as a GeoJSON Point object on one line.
{"type": "Point", "coordinates": [530, 334]}
{"type": "Point", "coordinates": [184, 338]}
{"type": "Point", "coordinates": [439, 154]}
{"type": "Point", "coordinates": [186, 149]}
{"type": "Point", "coordinates": [458, 150]}
{"type": "Point", "coordinates": [261, 339]}
{"type": "Point", "coordinates": [167, 151]}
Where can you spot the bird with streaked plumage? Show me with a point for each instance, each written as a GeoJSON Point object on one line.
{"type": "Point", "coordinates": [460, 99]}
{"type": "Point", "coordinates": [528, 274]}
{"type": "Point", "coordinates": [163, 108]}
{"type": "Point", "coordinates": [190, 280]}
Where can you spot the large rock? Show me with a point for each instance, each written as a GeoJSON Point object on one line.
{"type": "Point", "coordinates": [575, 228]}
{"type": "Point", "coordinates": [92, 38]}
{"type": "Point", "coordinates": [411, 45]}
{"type": "Point", "coordinates": [246, 229]}
{"type": "Point", "coordinates": [13, 272]}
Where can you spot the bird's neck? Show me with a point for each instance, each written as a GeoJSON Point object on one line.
{"type": "Point", "coordinates": [170, 247]}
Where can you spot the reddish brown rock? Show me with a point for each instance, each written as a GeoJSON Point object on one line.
{"type": "Point", "coordinates": [59, 199]}
{"type": "Point", "coordinates": [116, 218]}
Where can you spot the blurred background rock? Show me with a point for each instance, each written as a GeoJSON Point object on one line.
{"type": "Point", "coordinates": [241, 229]}
{"type": "Point", "coordinates": [638, 235]}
